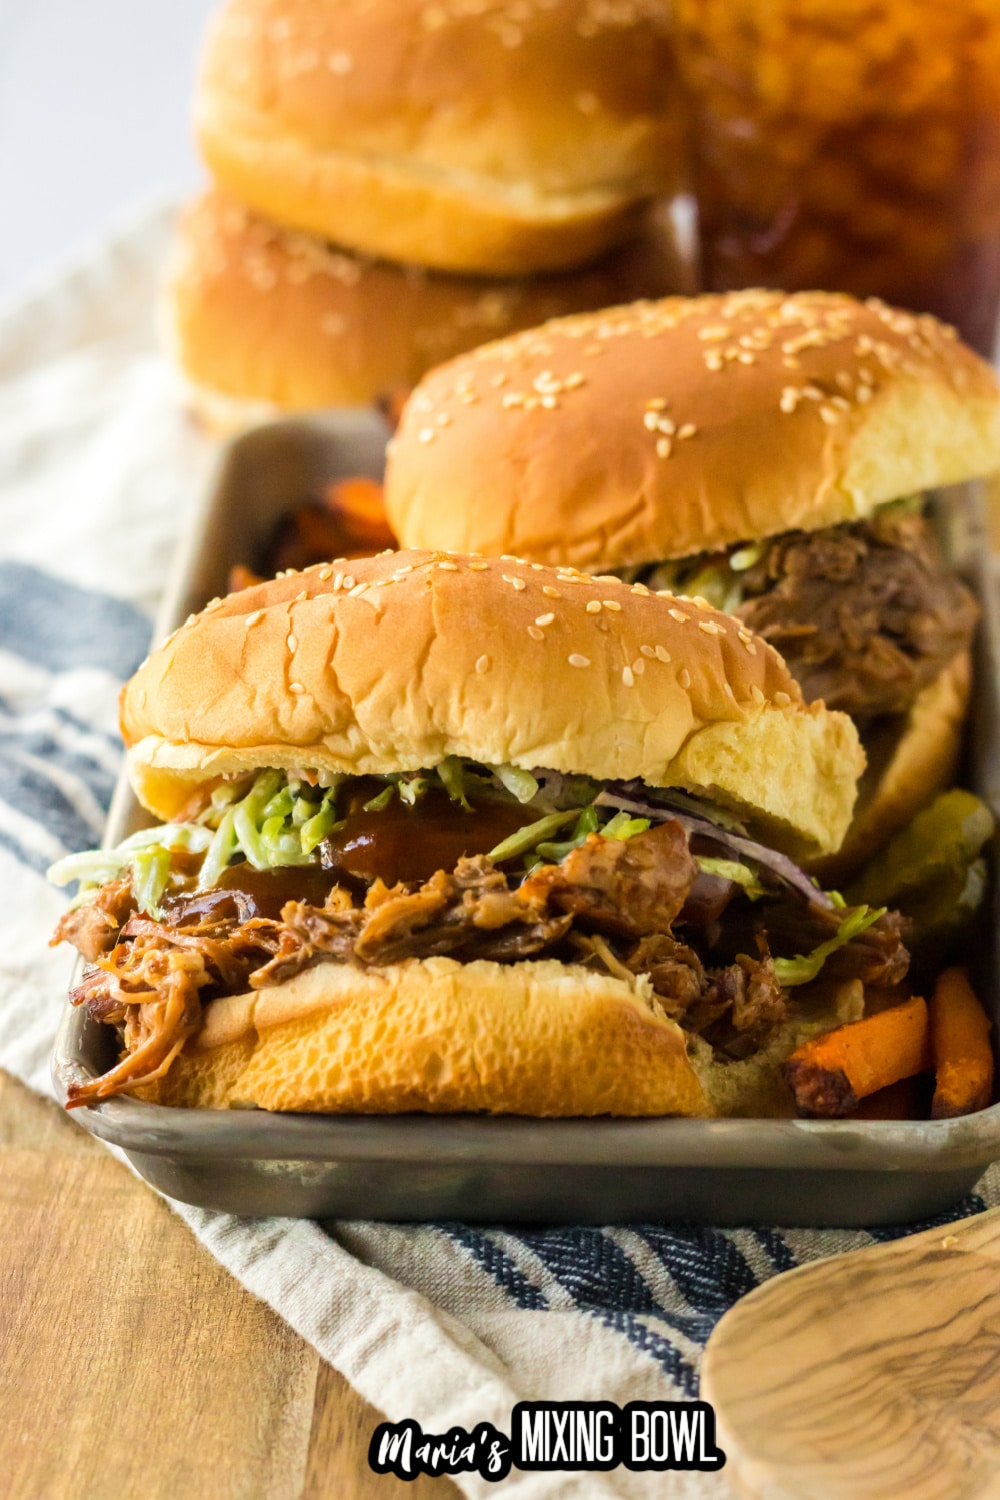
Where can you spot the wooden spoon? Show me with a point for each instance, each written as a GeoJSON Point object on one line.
{"type": "Point", "coordinates": [869, 1376]}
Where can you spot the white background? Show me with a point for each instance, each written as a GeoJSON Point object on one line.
{"type": "Point", "coordinates": [95, 103]}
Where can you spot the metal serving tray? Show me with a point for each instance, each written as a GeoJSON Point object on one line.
{"type": "Point", "coordinates": [806, 1172]}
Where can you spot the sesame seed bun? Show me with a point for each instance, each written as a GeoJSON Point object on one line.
{"type": "Point", "coordinates": [442, 133]}
{"type": "Point", "coordinates": [262, 320]}
{"type": "Point", "coordinates": [392, 663]}
{"type": "Point", "coordinates": [668, 428]}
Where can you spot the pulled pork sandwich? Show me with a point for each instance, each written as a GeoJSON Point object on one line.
{"type": "Point", "coordinates": [445, 834]}
{"type": "Point", "coordinates": [771, 453]}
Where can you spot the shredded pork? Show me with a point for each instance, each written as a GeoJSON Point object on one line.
{"type": "Point", "coordinates": [865, 614]}
{"type": "Point", "coordinates": [609, 903]}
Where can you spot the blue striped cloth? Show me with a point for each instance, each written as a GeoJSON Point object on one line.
{"type": "Point", "coordinates": [445, 1323]}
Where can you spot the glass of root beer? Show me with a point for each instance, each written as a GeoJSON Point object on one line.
{"type": "Point", "coordinates": [852, 145]}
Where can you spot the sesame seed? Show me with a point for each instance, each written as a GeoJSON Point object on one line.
{"type": "Point", "coordinates": [639, 588]}
{"type": "Point", "coordinates": [258, 614]}
{"type": "Point", "coordinates": [549, 402]}
{"type": "Point", "coordinates": [593, 606]}
{"type": "Point", "coordinates": [483, 665]}
{"type": "Point", "coordinates": [746, 358]}
{"type": "Point", "coordinates": [478, 567]}
{"type": "Point", "coordinates": [728, 691]}
{"type": "Point", "coordinates": [426, 435]}
{"type": "Point", "coordinates": [574, 381]}
{"type": "Point", "coordinates": [662, 654]}
{"type": "Point", "coordinates": [535, 633]}
{"type": "Point", "coordinates": [299, 597]}
{"type": "Point", "coordinates": [576, 660]}
{"type": "Point", "coordinates": [292, 643]}
{"type": "Point", "coordinates": [296, 687]}
{"type": "Point", "coordinates": [864, 393]}
{"type": "Point", "coordinates": [550, 592]}
{"type": "Point", "coordinates": [710, 627]}
{"type": "Point", "coordinates": [789, 399]}
{"type": "Point", "coordinates": [544, 619]}
{"type": "Point", "coordinates": [829, 415]}
{"type": "Point", "coordinates": [357, 590]}
{"type": "Point", "coordinates": [813, 392]}
{"type": "Point", "coordinates": [650, 421]}
{"type": "Point", "coordinates": [688, 430]}
{"type": "Point", "coordinates": [468, 398]}
{"type": "Point", "coordinates": [684, 678]}
{"type": "Point", "coordinates": [611, 604]}
{"type": "Point", "coordinates": [348, 581]}
{"type": "Point", "coordinates": [782, 700]}
{"type": "Point", "coordinates": [638, 666]}
{"type": "Point", "coordinates": [756, 694]}
{"type": "Point", "coordinates": [325, 573]}
{"type": "Point", "coordinates": [338, 581]}
{"type": "Point", "coordinates": [664, 447]}
{"type": "Point", "coordinates": [499, 379]}
{"type": "Point", "coordinates": [443, 419]}
{"type": "Point", "coordinates": [678, 615]}
{"type": "Point", "coordinates": [713, 360]}
{"type": "Point", "coordinates": [448, 567]}
{"type": "Point", "coordinates": [518, 584]}
{"type": "Point", "coordinates": [647, 650]}
{"type": "Point", "coordinates": [628, 677]}
{"type": "Point", "coordinates": [656, 403]}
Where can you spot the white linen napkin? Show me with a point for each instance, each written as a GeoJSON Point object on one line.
{"type": "Point", "coordinates": [448, 1324]}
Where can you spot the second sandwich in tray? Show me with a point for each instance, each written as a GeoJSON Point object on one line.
{"type": "Point", "coordinates": [449, 834]}
{"type": "Point", "coordinates": [769, 452]}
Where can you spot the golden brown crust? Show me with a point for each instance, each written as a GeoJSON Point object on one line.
{"type": "Point", "coordinates": [394, 662]}
{"type": "Point", "coordinates": [916, 760]}
{"type": "Point", "coordinates": [669, 428]}
{"type": "Point", "coordinates": [539, 1038]}
{"type": "Point", "coordinates": [258, 314]}
{"type": "Point", "coordinates": [461, 137]}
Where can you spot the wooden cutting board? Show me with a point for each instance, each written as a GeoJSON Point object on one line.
{"type": "Point", "coordinates": [870, 1376]}
{"type": "Point", "coordinates": [132, 1365]}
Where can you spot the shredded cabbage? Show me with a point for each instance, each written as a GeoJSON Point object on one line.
{"type": "Point", "coordinates": [732, 869]}
{"type": "Point", "coordinates": [621, 826]}
{"type": "Point", "coordinates": [804, 967]}
{"type": "Point", "coordinates": [520, 784]}
{"type": "Point", "coordinates": [147, 852]}
{"type": "Point", "coordinates": [531, 835]}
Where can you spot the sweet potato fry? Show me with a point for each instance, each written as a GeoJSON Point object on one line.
{"type": "Point", "coordinates": [960, 1046]}
{"type": "Point", "coordinates": [829, 1074]}
{"type": "Point", "coordinates": [358, 506]}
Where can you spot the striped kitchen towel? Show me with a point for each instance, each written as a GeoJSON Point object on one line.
{"type": "Point", "coordinates": [447, 1324]}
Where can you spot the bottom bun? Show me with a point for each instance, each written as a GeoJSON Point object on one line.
{"type": "Point", "coordinates": [907, 766]}
{"type": "Point", "coordinates": [262, 320]}
{"type": "Point", "coordinates": [536, 1038]}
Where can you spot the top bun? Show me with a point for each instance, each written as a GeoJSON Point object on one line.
{"type": "Point", "coordinates": [394, 662]}
{"type": "Point", "coordinates": [460, 134]}
{"type": "Point", "coordinates": [668, 428]}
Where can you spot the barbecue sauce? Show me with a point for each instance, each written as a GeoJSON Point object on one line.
{"type": "Point", "coordinates": [409, 844]}
{"type": "Point", "coordinates": [396, 843]}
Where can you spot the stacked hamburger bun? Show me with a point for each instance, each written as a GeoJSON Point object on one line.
{"type": "Point", "coordinates": [396, 183]}
{"type": "Point", "coordinates": [660, 439]}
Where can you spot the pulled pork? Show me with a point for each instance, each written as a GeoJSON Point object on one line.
{"type": "Point", "coordinates": [865, 614]}
{"type": "Point", "coordinates": [610, 903]}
